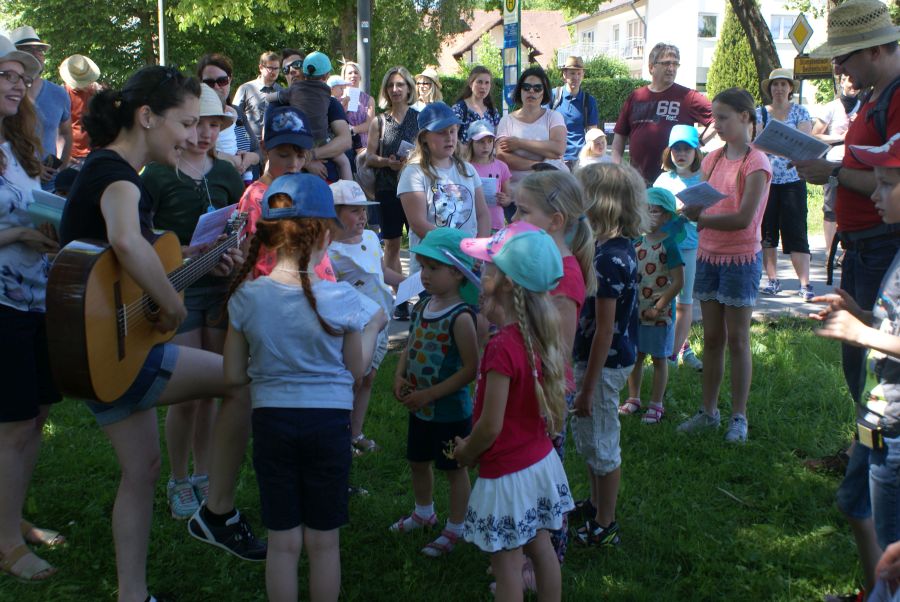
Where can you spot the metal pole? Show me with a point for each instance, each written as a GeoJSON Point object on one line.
{"type": "Point", "coordinates": [162, 32]}
{"type": "Point", "coordinates": [363, 42]}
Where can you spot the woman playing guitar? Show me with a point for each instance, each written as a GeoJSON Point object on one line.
{"type": "Point", "coordinates": [153, 118]}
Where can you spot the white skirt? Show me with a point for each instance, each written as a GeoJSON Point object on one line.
{"type": "Point", "coordinates": [507, 512]}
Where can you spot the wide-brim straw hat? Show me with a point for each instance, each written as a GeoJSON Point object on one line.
{"type": "Point", "coordinates": [26, 36]}
{"type": "Point", "coordinates": [9, 52]}
{"type": "Point", "coordinates": [431, 74]}
{"type": "Point", "coordinates": [79, 71]}
{"type": "Point", "coordinates": [211, 106]}
{"type": "Point", "coordinates": [855, 25]}
{"type": "Point", "coordinates": [780, 73]}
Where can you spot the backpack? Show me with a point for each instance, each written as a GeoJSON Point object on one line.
{"type": "Point", "coordinates": [878, 113]}
{"type": "Point", "coordinates": [558, 98]}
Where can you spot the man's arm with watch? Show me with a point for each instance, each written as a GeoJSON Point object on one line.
{"type": "Point", "coordinates": [820, 171]}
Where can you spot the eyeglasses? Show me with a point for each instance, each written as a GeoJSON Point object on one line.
{"type": "Point", "coordinates": [840, 60]}
{"type": "Point", "coordinates": [269, 68]}
{"type": "Point", "coordinates": [14, 77]}
{"type": "Point", "coordinates": [668, 64]}
{"type": "Point", "coordinates": [298, 65]}
{"type": "Point", "coordinates": [423, 84]}
{"type": "Point", "coordinates": [221, 82]}
{"type": "Point", "coordinates": [532, 87]}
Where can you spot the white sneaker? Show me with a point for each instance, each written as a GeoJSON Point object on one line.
{"type": "Point", "coordinates": [701, 421]}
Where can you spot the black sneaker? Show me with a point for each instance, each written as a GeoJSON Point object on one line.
{"type": "Point", "coordinates": [595, 536]}
{"type": "Point", "coordinates": [401, 313]}
{"type": "Point", "coordinates": [235, 537]}
{"type": "Point", "coordinates": [583, 512]}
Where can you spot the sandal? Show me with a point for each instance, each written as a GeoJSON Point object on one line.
{"type": "Point", "coordinates": [37, 536]}
{"type": "Point", "coordinates": [361, 445]}
{"type": "Point", "coordinates": [437, 548]}
{"type": "Point", "coordinates": [418, 523]}
{"type": "Point", "coordinates": [26, 566]}
{"type": "Point", "coordinates": [654, 414]}
{"type": "Point", "coordinates": [631, 406]}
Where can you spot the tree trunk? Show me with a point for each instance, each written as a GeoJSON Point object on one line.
{"type": "Point", "coordinates": [764, 54]}
{"type": "Point", "coordinates": [347, 33]}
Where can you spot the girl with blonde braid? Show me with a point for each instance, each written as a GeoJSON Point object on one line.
{"type": "Point", "coordinates": [519, 406]}
{"type": "Point", "coordinates": [300, 341]}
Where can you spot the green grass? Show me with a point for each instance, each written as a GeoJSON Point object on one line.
{"type": "Point", "coordinates": [700, 520]}
{"type": "Point", "coordinates": [814, 203]}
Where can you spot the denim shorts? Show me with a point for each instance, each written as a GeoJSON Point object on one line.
{"type": "Point", "coordinates": [302, 461]}
{"type": "Point", "coordinates": [686, 294]}
{"type": "Point", "coordinates": [146, 390]}
{"type": "Point", "coordinates": [597, 436]}
{"type": "Point", "coordinates": [656, 341]}
{"type": "Point", "coordinates": [871, 487]}
{"type": "Point", "coordinates": [734, 284]}
{"type": "Point", "coordinates": [426, 440]}
{"type": "Point", "coordinates": [206, 307]}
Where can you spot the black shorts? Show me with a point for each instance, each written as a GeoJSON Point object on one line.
{"type": "Point", "coordinates": [302, 462]}
{"type": "Point", "coordinates": [24, 365]}
{"type": "Point", "coordinates": [426, 440]}
{"type": "Point", "coordinates": [392, 216]}
{"type": "Point", "coordinates": [786, 215]}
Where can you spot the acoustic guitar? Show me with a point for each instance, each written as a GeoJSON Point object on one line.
{"type": "Point", "coordinates": [100, 323]}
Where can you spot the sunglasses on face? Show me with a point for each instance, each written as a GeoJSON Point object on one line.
{"type": "Point", "coordinates": [532, 87]}
{"type": "Point", "coordinates": [13, 77]}
{"type": "Point", "coordinates": [221, 82]}
{"type": "Point", "coordinates": [298, 65]}
{"type": "Point", "coordinates": [423, 84]}
{"type": "Point", "coordinates": [840, 60]}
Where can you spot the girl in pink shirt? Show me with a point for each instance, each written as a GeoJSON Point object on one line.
{"type": "Point", "coordinates": [729, 261]}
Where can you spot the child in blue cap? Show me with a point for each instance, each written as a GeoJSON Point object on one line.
{"type": "Point", "coordinates": [661, 272]}
{"type": "Point", "coordinates": [300, 342]}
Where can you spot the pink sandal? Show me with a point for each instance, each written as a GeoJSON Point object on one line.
{"type": "Point", "coordinates": [418, 523]}
{"type": "Point", "coordinates": [631, 406]}
{"type": "Point", "coordinates": [654, 414]}
{"type": "Point", "coordinates": [436, 548]}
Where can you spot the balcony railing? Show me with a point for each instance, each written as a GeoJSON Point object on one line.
{"type": "Point", "coordinates": [629, 48]}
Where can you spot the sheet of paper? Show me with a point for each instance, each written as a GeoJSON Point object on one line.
{"type": "Point", "coordinates": [780, 139]}
{"type": "Point", "coordinates": [489, 188]}
{"type": "Point", "coordinates": [702, 194]}
{"type": "Point", "coordinates": [46, 208]}
{"type": "Point", "coordinates": [211, 225]}
{"type": "Point", "coordinates": [409, 288]}
{"type": "Point", "coordinates": [405, 148]}
{"type": "Point", "coordinates": [353, 95]}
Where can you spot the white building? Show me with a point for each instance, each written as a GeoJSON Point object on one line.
{"type": "Point", "coordinates": [628, 29]}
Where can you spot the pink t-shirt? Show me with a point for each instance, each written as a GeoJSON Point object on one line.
{"type": "Point", "coordinates": [728, 177]}
{"type": "Point", "coordinates": [497, 170]}
{"type": "Point", "coordinates": [571, 285]}
{"type": "Point", "coordinates": [523, 439]}
{"type": "Point", "coordinates": [251, 203]}
{"type": "Point", "coordinates": [511, 127]}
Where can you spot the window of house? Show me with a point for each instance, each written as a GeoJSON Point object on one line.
{"type": "Point", "coordinates": [587, 38]}
{"type": "Point", "coordinates": [636, 29]}
{"type": "Point", "coordinates": [780, 26]}
{"type": "Point", "coordinates": [706, 26]}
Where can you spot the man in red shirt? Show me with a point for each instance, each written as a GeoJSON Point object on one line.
{"type": "Point", "coordinates": [862, 44]}
{"type": "Point", "coordinates": [650, 113]}
{"type": "Point", "coordinates": [80, 75]}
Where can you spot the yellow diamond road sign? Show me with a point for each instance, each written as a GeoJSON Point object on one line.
{"type": "Point", "coordinates": [800, 33]}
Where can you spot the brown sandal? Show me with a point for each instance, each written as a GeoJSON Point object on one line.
{"type": "Point", "coordinates": [26, 566]}
{"type": "Point", "coordinates": [37, 536]}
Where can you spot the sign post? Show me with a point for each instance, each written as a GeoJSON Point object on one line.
{"type": "Point", "coordinates": [511, 54]}
{"type": "Point", "coordinates": [805, 67]}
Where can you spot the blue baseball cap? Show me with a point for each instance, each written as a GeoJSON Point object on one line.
{"type": "Point", "coordinates": [286, 125]}
{"type": "Point", "coordinates": [437, 116]}
{"type": "Point", "coordinates": [525, 253]}
{"type": "Point", "coordinates": [310, 194]}
{"type": "Point", "coordinates": [316, 64]}
{"type": "Point", "coordinates": [684, 133]}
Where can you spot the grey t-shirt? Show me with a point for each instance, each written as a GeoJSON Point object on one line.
{"type": "Point", "coordinates": [294, 363]}
{"type": "Point", "coordinates": [883, 371]}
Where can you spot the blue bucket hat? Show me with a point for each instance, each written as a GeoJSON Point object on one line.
{"type": "Point", "coordinates": [684, 133]}
{"type": "Point", "coordinates": [437, 116]}
{"type": "Point", "coordinates": [316, 64]}
{"type": "Point", "coordinates": [310, 194]}
{"type": "Point", "coordinates": [525, 253]}
{"type": "Point", "coordinates": [662, 198]}
{"type": "Point", "coordinates": [286, 125]}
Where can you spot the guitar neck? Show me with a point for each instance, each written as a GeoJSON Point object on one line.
{"type": "Point", "coordinates": [196, 268]}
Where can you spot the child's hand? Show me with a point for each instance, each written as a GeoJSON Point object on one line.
{"type": "Point", "coordinates": [888, 567]}
{"type": "Point", "coordinates": [582, 405]}
{"type": "Point", "coordinates": [416, 400]}
{"type": "Point", "coordinates": [650, 314]}
{"type": "Point", "coordinates": [838, 301]}
{"type": "Point", "coordinates": [402, 388]}
{"type": "Point", "coordinates": [503, 199]}
{"type": "Point", "coordinates": [692, 212]}
{"type": "Point", "coordinates": [841, 325]}
{"type": "Point", "coordinates": [462, 454]}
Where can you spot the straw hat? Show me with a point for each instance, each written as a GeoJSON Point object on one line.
{"type": "Point", "coordinates": [780, 73]}
{"type": "Point", "coordinates": [8, 52]}
{"type": "Point", "coordinates": [855, 25]}
{"type": "Point", "coordinates": [573, 62]}
{"type": "Point", "coordinates": [79, 71]}
{"type": "Point", "coordinates": [431, 74]}
{"type": "Point", "coordinates": [26, 36]}
{"type": "Point", "coordinates": [211, 106]}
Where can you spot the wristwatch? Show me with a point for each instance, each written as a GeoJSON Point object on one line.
{"type": "Point", "coordinates": [833, 178]}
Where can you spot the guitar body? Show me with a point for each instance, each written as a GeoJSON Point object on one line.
{"type": "Point", "coordinates": [96, 348]}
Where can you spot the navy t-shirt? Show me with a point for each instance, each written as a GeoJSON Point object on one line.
{"type": "Point", "coordinates": [576, 121]}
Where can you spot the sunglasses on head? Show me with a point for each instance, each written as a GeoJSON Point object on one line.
{"type": "Point", "coordinates": [221, 82]}
{"type": "Point", "coordinates": [532, 87]}
{"type": "Point", "coordinates": [298, 65]}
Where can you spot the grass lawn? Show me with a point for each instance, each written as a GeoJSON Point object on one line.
{"type": "Point", "coordinates": [700, 520]}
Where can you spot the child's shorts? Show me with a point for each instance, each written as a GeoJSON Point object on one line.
{"type": "Point", "coordinates": [597, 436]}
{"type": "Point", "coordinates": [302, 461]}
{"type": "Point", "coordinates": [871, 488]}
{"type": "Point", "coordinates": [381, 346]}
{"type": "Point", "coordinates": [734, 284]}
{"type": "Point", "coordinates": [686, 295]}
{"type": "Point", "coordinates": [427, 440]}
{"type": "Point", "coordinates": [656, 341]}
